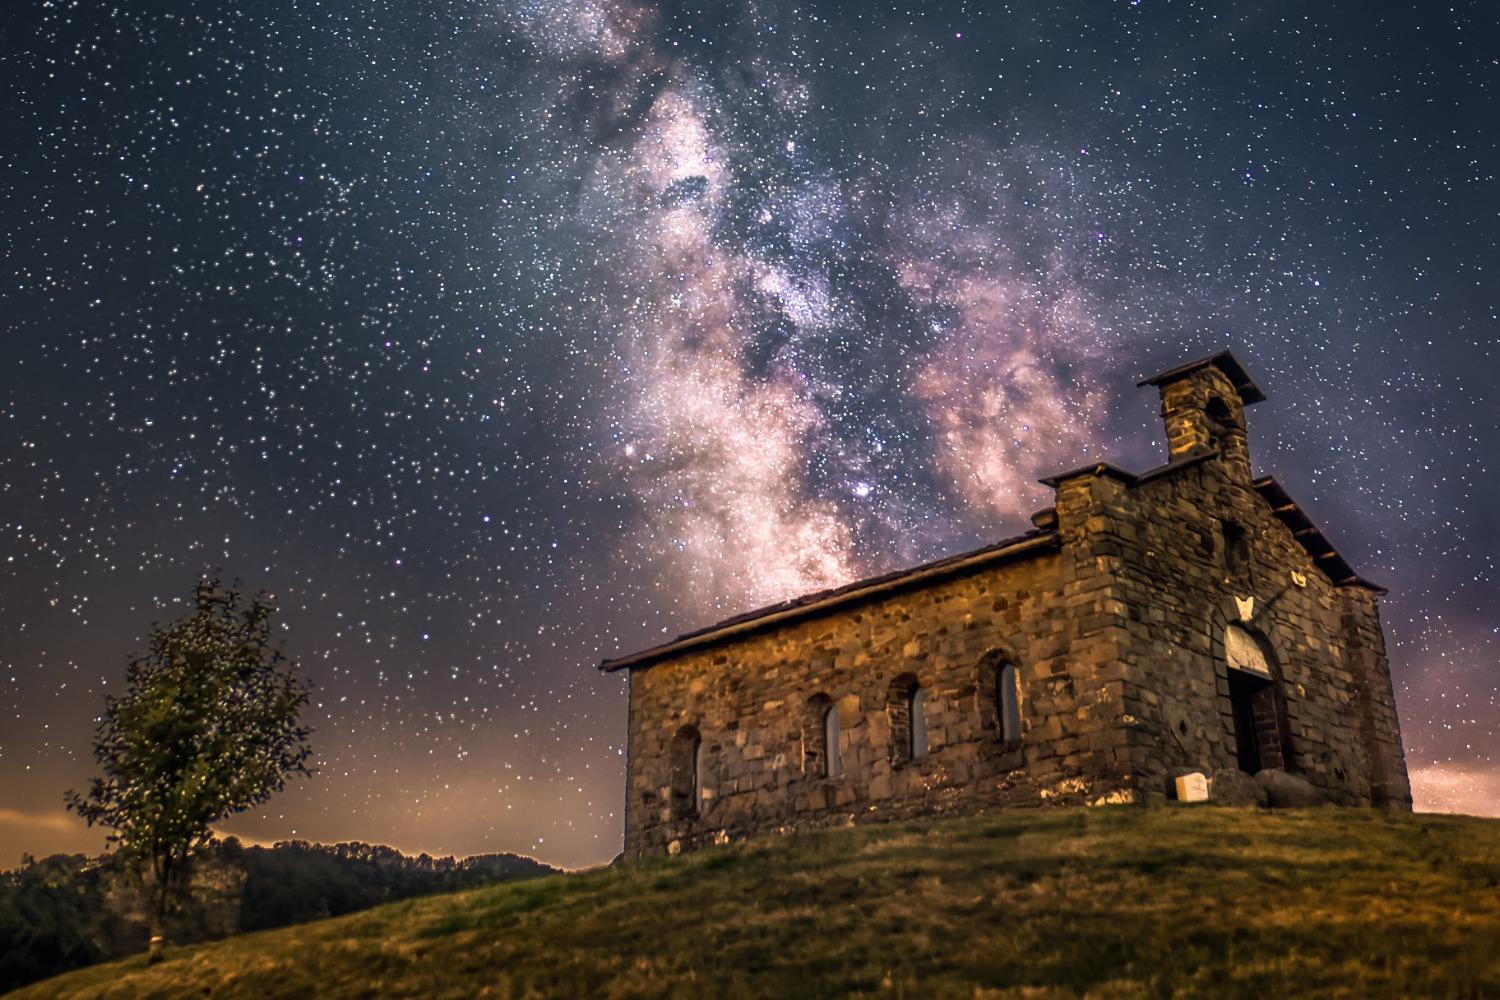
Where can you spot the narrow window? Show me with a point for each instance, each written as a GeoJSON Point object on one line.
{"type": "Point", "coordinates": [1009, 703]}
{"type": "Point", "coordinates": [1236, 548]}
{"type": "Point", "coordinates": [820, 737]}
{"type": "Point", "coordinates": [831, 741]}
{"type": "Point", "coordinates": [905, 708]}
{"type": "Point", "coordinates": [918, 714]}
{"type": "Point", "coordinates": [698, 762]}
{"type": "Point", "coordinates": [687, 772]}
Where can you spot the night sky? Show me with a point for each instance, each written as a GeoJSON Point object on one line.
{"type": "Point", "coordinates": [497, 337]}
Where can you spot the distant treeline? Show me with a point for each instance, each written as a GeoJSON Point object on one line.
{"type": "Point", "coordinates": [69, 910]}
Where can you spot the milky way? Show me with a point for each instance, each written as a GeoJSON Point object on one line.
{"type": "Point", "coordinates": [494, 338]}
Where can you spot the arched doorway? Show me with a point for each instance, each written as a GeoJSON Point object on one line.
{"type": "Point", "coordinates": [1262, 735]}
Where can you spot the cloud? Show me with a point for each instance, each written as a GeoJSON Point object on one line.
{"type": "Point", "coordinates": [45, 833]}
{"type": "Point", "coordinates": [48, 822]}
{"type": "Point", "coordinates": [1450, 788]}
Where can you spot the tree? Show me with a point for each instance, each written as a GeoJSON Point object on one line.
{"type": "Point", "coordinates": [208, 727]}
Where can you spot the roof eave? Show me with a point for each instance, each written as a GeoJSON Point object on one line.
{"type": "Point", "coordinates": [1032, 543]}
{"type": "Point", "coordinates": [1307, 534]}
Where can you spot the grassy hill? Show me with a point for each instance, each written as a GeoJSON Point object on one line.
{"type": "Point", "coordinates": [68, 911]}
{"type": "Point", "coordinates": [1112, 902]}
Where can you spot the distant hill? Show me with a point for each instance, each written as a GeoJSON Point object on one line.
{"type": "Point", "coordinates": [1120, 901]}
{"type": "Point", "coordinates": [68, 911]}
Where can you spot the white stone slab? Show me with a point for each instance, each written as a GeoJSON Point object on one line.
{"type": "Point", "coordinates": [1192, 787]}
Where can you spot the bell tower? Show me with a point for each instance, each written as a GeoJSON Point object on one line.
{"type": "Point", "coordinates": [1203, 406]}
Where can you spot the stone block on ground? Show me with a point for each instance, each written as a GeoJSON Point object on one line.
{"type": "Point", "coordinates": [1289, 791]}
{"type": "Point", "coordinates": [1233, 787]}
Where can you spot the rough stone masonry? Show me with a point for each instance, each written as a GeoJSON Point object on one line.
{"type": "Point", "coordinates": [1189, 618]}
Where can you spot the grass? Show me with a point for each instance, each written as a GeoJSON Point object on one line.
{"type": "Point", "coordinates": [1113, 902]}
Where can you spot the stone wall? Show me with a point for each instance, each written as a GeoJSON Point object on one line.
{"type": "Point", "coordinates": [754, 704]}
{"type": "Point", "coordinates": [1364, 640]}
{"type": "Point", "coordinates": [1183, 584]}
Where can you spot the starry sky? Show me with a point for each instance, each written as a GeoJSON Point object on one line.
{"type": "Point", "coordinates": [497, 336]}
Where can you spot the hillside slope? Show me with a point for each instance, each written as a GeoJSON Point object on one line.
{"type": "Point", "coordinates": [1118, 901]}
{"type": "Point", "coordinates": [68, 911]}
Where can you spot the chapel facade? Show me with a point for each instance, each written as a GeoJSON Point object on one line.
{"type": "Point", "coordinates": [1186, 618]}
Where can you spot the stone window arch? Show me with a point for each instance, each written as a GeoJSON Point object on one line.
{"type": "Point", "coordinates": [1000, 696]}
{"type": "Point", "coordinates": [687, 772]}
{"type": "Point", "coordinates": [1257, 703]}
{"type": "Point", "coordinates": [1008, 701]}
{"type": "Point", "coordinates": [918, 714]}
{"type": "Point", "coordinates": [906, 707]}
{"type": "Point", "coordinates": [831, 762]}
{"type": "Point", "coordinates": [820, 738]}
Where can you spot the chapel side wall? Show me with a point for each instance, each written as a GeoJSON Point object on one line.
{"type": "Point", "coordinates": [1365, 639]}
{"type": "Point", "coordinates": [1182, 590]}
{"type": "Point", "coordinates": [749, 700]}
{"type": "Point", "coordinates": [633, 805]}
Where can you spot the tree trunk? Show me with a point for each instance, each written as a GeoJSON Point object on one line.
{"type": "Point", "coordinates": [155, 952]}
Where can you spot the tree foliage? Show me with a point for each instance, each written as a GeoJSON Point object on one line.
{"type": "Point", "coordinates": [209, 725]}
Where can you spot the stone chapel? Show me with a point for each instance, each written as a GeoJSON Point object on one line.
{"type": "Point", "coordinates": [1186, 618]}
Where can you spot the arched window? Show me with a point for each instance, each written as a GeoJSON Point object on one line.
{"type": "Point", "coordinates": [918, 716]}
{"type": "Point", "coordinates": [820, 737]}
{"type": "Point", "coordinates": [906, 708]}
{"type": "Point", "coordinates": [998, 700]}
{"type": "Point", "coordinates": [687, 772]}
{"type": "Point", "coordinates": [699, 762]}
{"type": "Point", "coordinates": [1008, 702]}
{"type": "Point", "coordinates": [831, 740]}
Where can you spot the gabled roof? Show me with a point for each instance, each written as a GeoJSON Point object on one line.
{"type": "Point", "coordinates": [1307, 534]}
{"type": "Point", "coordinates": [1226, 363]}
{"type": "Point", "coordinates": [1035, 541]}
